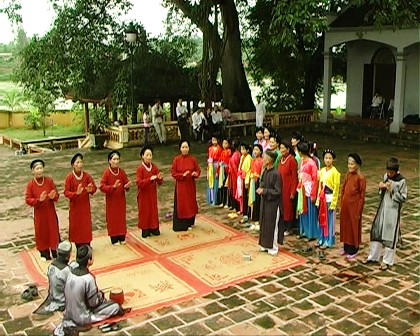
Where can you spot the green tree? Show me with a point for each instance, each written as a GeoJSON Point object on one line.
{"type": "Point", "coordinates": [289, 41]}
{"type": "Point", "coordinates": [13, 100]}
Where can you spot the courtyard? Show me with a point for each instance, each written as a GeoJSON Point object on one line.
{"type": "Point", "coordinates": [329, 297]}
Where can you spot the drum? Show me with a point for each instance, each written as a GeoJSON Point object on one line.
{"type": "Point", "coordinates": [117, 295]}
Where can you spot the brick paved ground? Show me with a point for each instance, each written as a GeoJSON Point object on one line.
{"type": "Point", "coordinates": [318, 298]}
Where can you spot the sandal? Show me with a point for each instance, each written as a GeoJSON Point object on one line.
{"type": "Point", "coordinates": [307, 249]}
{"type": "Point", "coordinates": [368, 261]}
{"type": "Point", "coordinates": [110, 328]}
{"type": "Point", "coordinates": [30, 293]}
{"type": "Point", "coordinates": [384, 267]}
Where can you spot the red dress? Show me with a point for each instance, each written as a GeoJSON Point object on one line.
{"type": "Point", "coordinates": [288, 171]}
{"type": "Point", "coordinates": [80, 222]}
{"type": "Point", "coordinates": [351, 209]}
{"type": "Point", "coordinates": [147, 197]}
{"type": "Point", "coordinates": [233, 172]}
{"type": "Point", "coordinates": [115, 205]}
{"type": "Point", "coordinates": [45, 216]}
{"type": "Point", "coordinates": [185, 187]}
{"type": "Point", "coordinates": [224, 162]}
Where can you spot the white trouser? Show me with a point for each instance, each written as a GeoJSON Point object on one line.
{"type": "Point", "coordinates": [276, 232]}
{"type": "Point", "coordinates": [160, 131]}
{"type": "Point", "coordinates": [375, 253]}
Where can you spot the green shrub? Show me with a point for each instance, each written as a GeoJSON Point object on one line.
{"type": "Point", "coordinates": [33, 119]}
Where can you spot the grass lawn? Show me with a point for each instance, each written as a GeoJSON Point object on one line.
{"type": "Point", "coordinates": [54, 131]}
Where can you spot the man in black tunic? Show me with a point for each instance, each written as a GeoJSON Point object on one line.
{"type": "Point", "coordinates": [271, 233]}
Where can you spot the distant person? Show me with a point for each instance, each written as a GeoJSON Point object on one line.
{"type": "Point", "coordinates": [41, 194]}
{"type": "Point", "coordinates": [386, 229]}
{"type": "Point", "coordinates": [351, 207]}
{"type": "Point", "coordinates": [78, 188]}
{"type": "Point", "coordinates": [157, 119]}
{"type": "Point", "coordinates": [146, 126]}
{"type": "Point", "coordinates": [375, 107]}
{"type": "Point", "coordinates": [114, 184]}
{"type": "Point", "coordinates": [183, 124]}
{"type": "Point", "coordinates": [260, 113]}
{"type": "Point", "coordinates": [185, 170]}
{"type": "Point", "coordinates": [199, 122]}
{"type": "Point", "coordinates": [148, 178]}
{"type": "Point", "coordinates": [288, 171]}
{"type": "Point", "coordinates": [217, 121]}
{"type": "Point", "coordinates": [328, 191]}
{"type": "Point", "coordinates": [271, 207]}
{"type": "Point", "coordinates": [390, 111]}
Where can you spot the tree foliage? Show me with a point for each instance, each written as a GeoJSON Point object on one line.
{"type": "Point", "coordinates": [289, 41]}
{"type": "Point", "coordinates": [81, 57]}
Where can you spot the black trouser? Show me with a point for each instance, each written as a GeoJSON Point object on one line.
{"type": "Point", "coordinates": [116, 239]}
{"type": "Point", "coordinates": [232, 202]}
{"type": "Point", "coordinates": [146, 136]}
{"type": "Point", "coordinates": [350, 249]}
{"type": "Point", "coordinates": [255, 216]}
{"type": "Point", "coordinates": [245, 209]}
{"type": "Point", "coordinates": [222, 195]}
{"type": "Point", "coordinates": [184, 128]}
{"type": "Point", "coordinates": [48, 253]}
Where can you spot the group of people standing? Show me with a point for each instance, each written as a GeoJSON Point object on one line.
{"type": "Point", "coordinates": [278, 186]}
{"type": "Point", "coordinates": [42, 194]}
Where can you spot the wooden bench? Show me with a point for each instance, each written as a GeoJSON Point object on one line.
{"type": "Point", "coordinates": [242, 121]}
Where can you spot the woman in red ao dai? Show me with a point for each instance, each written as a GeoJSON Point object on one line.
{"type": "Point", "coordinates": [114, 184]}
{"type": "Point", "coordinates": [42, 195]}
{"type": "Point", "coordinates": [148, 177]}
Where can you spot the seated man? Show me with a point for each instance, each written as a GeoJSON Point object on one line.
{"type": "Point", "coordinates": [217, 120]}
{"type": "Point", "coordinates": [58, 272]}
{"type": "Point", "coordinates": [198, 123]}
{"type": "Point", "coordinates": [85, 303]}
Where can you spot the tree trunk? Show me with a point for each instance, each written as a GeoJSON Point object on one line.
{"type": "Point", "coordinates": [236, 93]}
{"type": "Point", "coordinates": [313, 73]}
{"type": "Point", "coordinates": [87, 122]}
{"type": "Point", "coordinates": [235, 88]}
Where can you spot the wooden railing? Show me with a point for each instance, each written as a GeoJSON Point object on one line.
{"type": "Point", "coordinates": [289, 119]}
{"type": "Point", "coordinates": [133, 135]}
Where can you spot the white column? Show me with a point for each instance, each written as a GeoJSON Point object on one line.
{"type": "Point", "coordinates": [399, 93]}
{"type": "Point", "coordinates": [327, 86]}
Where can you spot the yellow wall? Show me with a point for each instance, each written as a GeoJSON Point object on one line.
{"type": "Point", "coordinates": [16, 119]}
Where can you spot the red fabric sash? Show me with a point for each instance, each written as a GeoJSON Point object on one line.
{"type": "Point", "coordinates": [323, 213]}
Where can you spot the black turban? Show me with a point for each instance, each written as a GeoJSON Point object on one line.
{"type": "Point", "coordinates": [272, 154]}
{"type": "Point", "coordinates": [356, 157]}
{"type": "Point", "coordinates": [36, 162]}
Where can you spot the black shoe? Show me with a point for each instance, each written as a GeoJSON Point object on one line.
{"type": "Point", "coordinates": [145, 233]}
{"type": "Point", "coordinates": [156, 232]}
{"type": "Point", "coordinates": [45, 254]}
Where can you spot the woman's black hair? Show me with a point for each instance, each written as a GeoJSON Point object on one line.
{"type": "Point", "coordinates": [112, 153]}
{"type": "Point", "coordinates": [259, 129]}
{"type": "Point", "coordinates": [182, 141]}
{"type": "Point", "coordinates": [286, 143]}
{"type": "Point", "coordinates": [144, 149]}
{"type": "Point", "coordinates": [236, 143]}
{"type": "Point", "coordinates": [75, 157]}
{"type": "Point", "coordinates": [303, 147]}
{"type": "Point", "coordinates": [259, 147]}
